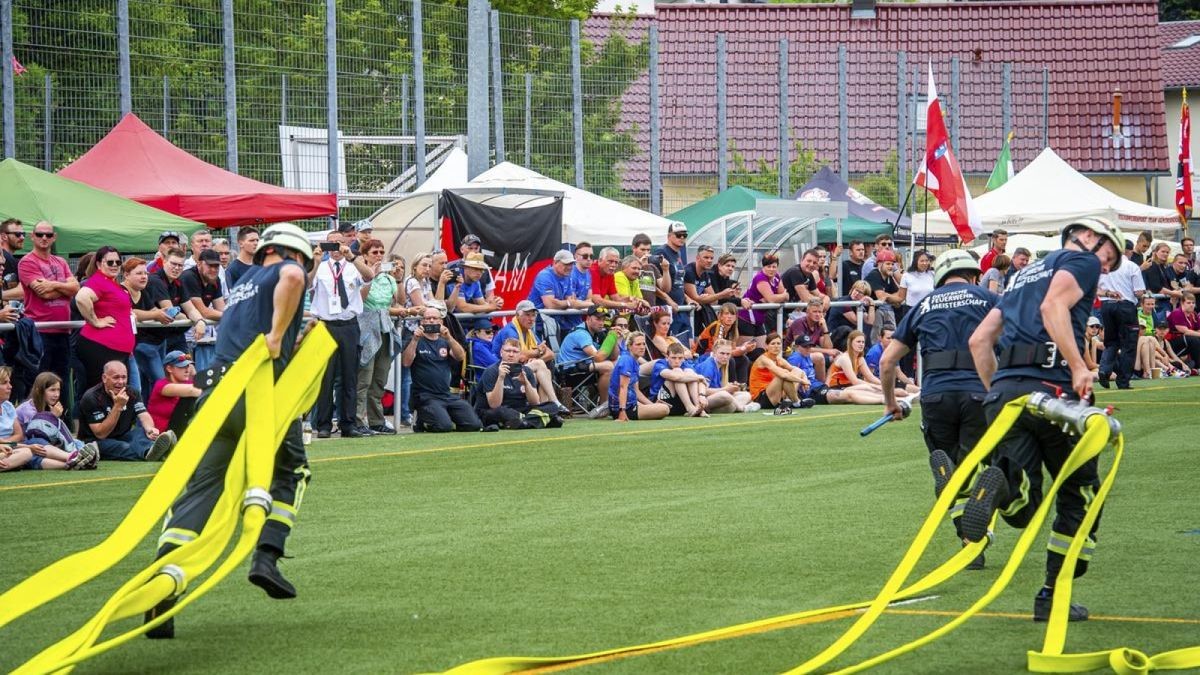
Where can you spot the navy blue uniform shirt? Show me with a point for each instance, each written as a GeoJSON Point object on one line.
{"type": "Point", "coordinates": [248, 312]}
{"type": "Point", "coordinates": [943, 322]}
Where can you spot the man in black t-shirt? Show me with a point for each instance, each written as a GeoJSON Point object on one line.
{"type": "Point", "coordinates": [202, 290]}
{"type": "Point", "coordinates": [431, 355]}
{"type": "Point", "coordinates": [247, 242]}
{"type": "Point", "coordinates": [883, 284]}
{"type": "Point", "coordinates": [1039, 327]}
{"type": "Point", "coordinates": [853, 264]}
{"type": "Point", "coordinates": [117, 420]}
{"type": "Point", "coordinates": [506, 395]}
{"type": "Point", "coordinates": [166, 286]}
{"type": "Point", "coordinates": [800, 281]}
{"type": "Point", "coordinates": [698, 287]}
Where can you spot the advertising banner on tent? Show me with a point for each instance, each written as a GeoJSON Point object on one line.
{"type": "Point", "coordinates": [517, 243]}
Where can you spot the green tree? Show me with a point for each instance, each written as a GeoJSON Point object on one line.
{"type": "Point", "coordinates": [1178, 10]}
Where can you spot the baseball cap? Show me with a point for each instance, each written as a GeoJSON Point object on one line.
{"type": "Point", "coordinates": [596, 311]}
{"type": "Point", "coordinates": [1128, 245]}
{"type": "Point", "coordinates": [210, 256]}
{"type": "Point", "coordinates": [471, 239]}
{"type": "Point", "coordinates": [564, 257]}
{"type": "Point", "coordinates": [168, 235]}
{"type": "Point", "coordinates": [1161, 324]}
{"type": "Point", "coordinates": [1093, 321]}
{"type": "Point", "coordinates": [526, 306]}
{"type": "Point", "coordinates": [475, 260]}
{"type": "Point", "coordinates": [344, 227]}
{"type": "Point", "coordinates": [363, 225]}
{"type": "Point", "coordinates": [177, 359]}
{"type": "Point", "coordinates": [884, 255]}
{"type": "Point", "coordinates": [677, 228]}
{"type": "Point", "coordinates": [804, 341]}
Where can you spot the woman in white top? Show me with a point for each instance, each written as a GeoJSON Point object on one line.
{"type": "Point", "coordinates": [917, 281]}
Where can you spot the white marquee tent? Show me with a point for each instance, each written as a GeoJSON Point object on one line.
{"type": "Point", "coordinates": [1049, 194]}
{"type": "Point", "coordinates": [409, 225]}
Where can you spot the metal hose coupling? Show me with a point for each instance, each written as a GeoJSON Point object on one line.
{"type": "Point", "coordinates": [257, 496]}
{"type": "Point", "coordinates": [1072, 415]}
{"type": "Point", "coordinates": [177, 575]}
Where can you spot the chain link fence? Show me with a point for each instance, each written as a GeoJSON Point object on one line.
{"type": "Point", "coordinates": [70, 95]}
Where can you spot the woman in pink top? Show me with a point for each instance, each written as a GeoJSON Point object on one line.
{"type": "Point", "coordinates": [766, 286]}
{"type": "Point", "coordinates": [107, 310]}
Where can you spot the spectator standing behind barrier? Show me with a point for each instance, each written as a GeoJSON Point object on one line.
{"type": "Point", "coordinates": [843, 319]}
{"type": "Point", "coordinates": [674, 252]}
{"type": "Point", "coordinates": [471, 297]}
{"type": "Point", "coordinates": [201, 241]}
{"type": "Point", "coordinates": [202, 290]}
{"type": "Point", "coordinates": [999, 242]}
{"type": "Point", "coordinates": [166, 241]}
{"type": "Point", "coordinates": [146, 364]}
{"type": "Point", "coordinates": [430, 356]}
{"type": "Point", "coordinates": [801, 282]}
{"type": "Point", "coordinates": [172, 400]}
{"type": "Point", "coordinates": [655, 274]}
{"type": "Point", "coordinates": [994, 276]}
{"type": "Point", "coordinates": [107, 310]}
{"type": "Point", "coordinates": [765, 287]}
{"type": "Point", "coordinates": [506, 395]}
{"type": "Point", "coordinates": [364, 231]}
{"type": "Point", "coordinates": [604, 284]}
{"type": "Point", "coordinates": [1020, 258]}
{"type": "Point", "coordinates": [883, 241]}
{"type": "Point", "coordinates": [48, 287]}
{"type": "Point", "coordinates": [12, 240]}
{"type": "Point", "coordinates": [1183, 278]}
{"type": "Point", "coordinates": [886, 289]}
{"type": "Point", "coordinates": [553, 289]}
{"type": "Point", "coordinates": [698, 287]}
{"type": "Point", "coordinates": [581, 282]}
{"type": "Point", "coordinates": [626, 401]}
{"type": "Point", "coordinates": [629, 294]}
{"type": "Point", "coordinates": [1139, 250]}
{"type": "Point", "coordinates": [917, 281]}
{"type": "Point", "coordinates": [1157, 276]}
{"type": "Point", "coordinates": [472, 244]}
{"type": "Point", "coordinates": [853, 264]}
{"type": "Point", "coordinates": [375, 326]}
{"type": "Point", "coordinates": [247, 242]}
{"type": "Point", "coordinates": [723, 279]}
{"type": "Point", "coordinates": [1119, 292]}
{"type": "Point", "coordinates": [116, 419]}
{"type": "Point", "coordinates": [221, 246]}
{"type": "Point", "coordinates": [166, 286]}
{"type": "Point", "coordinates": [336, 300]}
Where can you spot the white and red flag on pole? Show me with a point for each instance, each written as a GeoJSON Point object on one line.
{"type": "Point", "coordinates": [1183, 179]}
{"type": "Point", "coordinates": [939, 172]}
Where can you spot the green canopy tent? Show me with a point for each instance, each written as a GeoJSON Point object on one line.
{"type": "Point", "coordinates": [84, 217]}
{"type": "Point", "coordinates": [739, 199]}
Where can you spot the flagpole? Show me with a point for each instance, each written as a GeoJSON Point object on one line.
{"type": "Point", "coordinates": [925, 236]}
{"type": "Point", "coordinates": [904, 205]}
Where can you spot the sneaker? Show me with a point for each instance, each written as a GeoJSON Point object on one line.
{"type": "Point", "coordinates": [382, 429]}
{"type": "Point", "coordinates": [1104, 379]}
{"type": "Point", "coordinates": [491, 427]}
{"type": "Point", "coordinates": [162, 445]}
{"type": "Point", "coordinates": [804, 403]}
{"type": "Point", "coordinates": [89, 457]}
{"type": "Point", "coordinates": [943, 469]}
{"type": "Point", "coordinates": [166, 629]}
{"type": "Point", "coordinates": [599, 412]}
{"type": "Point", "coordinates": [752, 406]}
{"type": "Point", "coordinates": [264, 573]}
{"type": "Point", "coordinates": [1042, 603]}
{"type": "Point", "coordinates": [988, 493]}
{"type": "Point", "coordinates": [563, 411]}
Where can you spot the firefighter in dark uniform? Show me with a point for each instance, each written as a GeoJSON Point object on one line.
{"type": "Point", "coordinates": [1039, 326]}
{"type": "Point", "coordinates": [952, 419]}
{"type": "Point", "coordinates": [267, 300]}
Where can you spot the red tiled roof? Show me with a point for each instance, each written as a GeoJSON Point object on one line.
{"type": "Point", "coordinates": [1180, 66]}
{"type": "Point", "coordinates": [1092, 47]}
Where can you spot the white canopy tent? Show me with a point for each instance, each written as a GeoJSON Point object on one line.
{"type": "Point", "coordinates": [1048, 195]}
{"type": "Point", "coordinates": [586, 216]}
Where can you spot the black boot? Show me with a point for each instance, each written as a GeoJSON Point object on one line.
{"type": "Point", "coordinates": [265, 574]}
{"type": "Point", "coordinates": [1044, 600]}
{"type": "Point", "coordinates": [166, 629]}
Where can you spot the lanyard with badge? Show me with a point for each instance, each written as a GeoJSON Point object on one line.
{"type": "Point", "coordinates": [335, 299]}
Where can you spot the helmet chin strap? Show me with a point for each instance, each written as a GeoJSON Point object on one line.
{"type": "Point", "coordinates": [1100, 242]}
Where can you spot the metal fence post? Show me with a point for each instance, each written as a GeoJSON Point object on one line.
{"type": "Point", "coordinates": [418, 42]}
{"type": "Point", "coordinates": [331, 93]}
{"type": "Point", "coordinates": [124, 78]}
{"type": "Point", "coordinates": [231, 142]}
{"type": "Point", "coordinates": [901, 126]}
{"type": "Point", "coordinates": [47, 124]}
{"type": "Point", "coordinates": [478, 140]}
{"type": "Point", "coordinates": [283, 99]}
{"type": "Point", "coordinates": [6, 79]}
{"type": "Point", "coordinates": [577, 102]}
{"type": "Point", "coordinates": [404, 117]}
{"type": "Point", "coordinates": [1005, 100]}
{"type": "Point", "coordinates": [955, 92]}
{"type": "Point", "coordinates": [843, 117]}
{"type": "Point", "coordinates": [784, 165]}
{"type": "Point", "coordinates": [497, 88]}
{"type": "Point", "coordinates": [1045, 107]}
{"type": "Point", "coordinates": [528, 118]}
{"type": "Point", "coordinates": [655, 129]}
{"type": "Point", "coordinates": [722, 118]}
{"type": "Point", "coordinates": [166, 100]}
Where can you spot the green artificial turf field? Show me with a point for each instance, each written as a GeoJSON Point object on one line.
{"type": "Point", "coordinates": [418, 553]}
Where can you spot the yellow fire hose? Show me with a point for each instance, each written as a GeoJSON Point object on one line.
{"type": "Point", "coordinates": [277, 405]}
{"type": "Point", "coordinates": [1097, 430]}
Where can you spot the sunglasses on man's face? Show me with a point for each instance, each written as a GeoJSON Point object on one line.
{"type": "Point", "coordinates": [585, 256]}
{"type": "Point", "coordinates": [18, 235]}
{"type": "Point", "coordinates": [44, 235]}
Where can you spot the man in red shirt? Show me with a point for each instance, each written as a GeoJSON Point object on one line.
{"type": "Point", "coordinates": [49, 287]}
{"type": "Point", "coordinates": [999, 241]}
{"type": "Point", "coordinates": [604, 287]}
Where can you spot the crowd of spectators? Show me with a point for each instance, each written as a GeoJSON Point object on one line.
{"type": "Point", "coordinates": [644, 336]}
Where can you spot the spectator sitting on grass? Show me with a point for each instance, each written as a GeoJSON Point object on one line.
{"type": "Point", "coordinates": [726, 328]}
{"type": "Point", "coordinates": [1161, 334]}
{"type": "Point", "coordinates": [875, 353]}
{"type": "Point", "coordinates": [776, 383]}
{"type": "Point", "coordinates": [46, 397]}
{"type": "Point", "coordinates": [625, 401]}
{"type": "Point", "coordinates": [724, 395]}
{"type": "Point", "coordinates": [173, 398]}
{"type": "Point", "coordinates": [850, 380]}
{"type": "Point", "coordinates": [118, 422]}
{"type": "Point", "coordinates": [535, 353]}
{"type": "Point", "coordinates": [35, 451]}
{"type": "Point", "coordinates": [661, 321]}
{"type": "Point", "coordinates": [506, 395]}
{"type": "Point", "coordinates": [675, 385]}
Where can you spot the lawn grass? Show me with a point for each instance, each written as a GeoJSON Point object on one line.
{"type": "Point", "coordinates": [417, 553]}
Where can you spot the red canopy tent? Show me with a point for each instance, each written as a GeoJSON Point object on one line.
{"type": "Point", "coordinates": [135, 162]}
